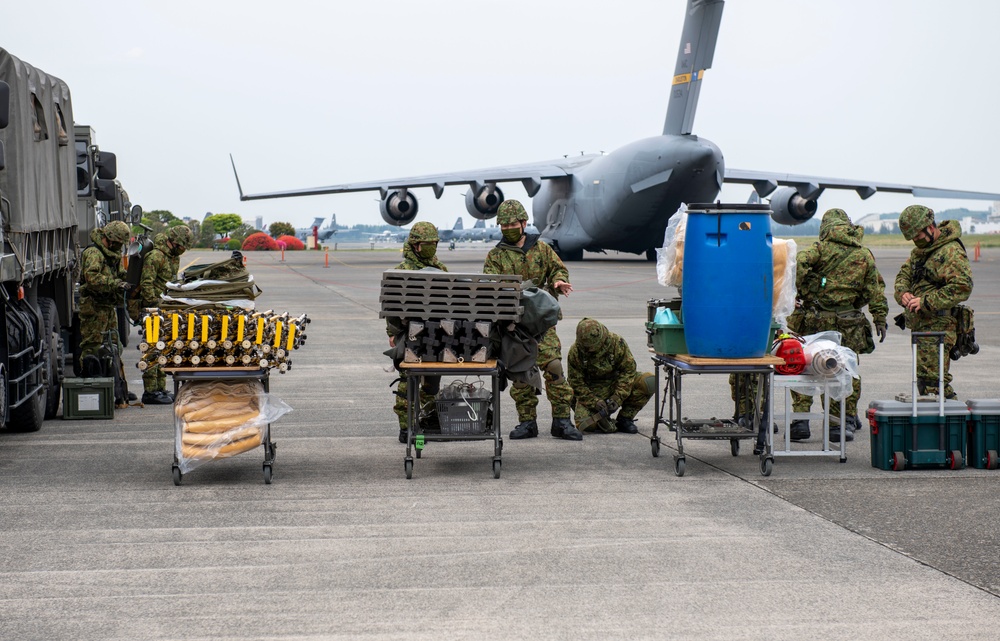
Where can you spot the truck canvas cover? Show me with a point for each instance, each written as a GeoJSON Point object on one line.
{"type": "Point", "coordinates": [40, 178]}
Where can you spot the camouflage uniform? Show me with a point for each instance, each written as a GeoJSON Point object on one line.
{"type": "Point", "coordinates": [159, 267]}
{"type": "Point", "coordinates": [835, 278]}
{"type": "Point", "coordinates": [601, 367]}
{"type": "Point", "coordinates": [538, 262]}
{"type": "Point", "coordinates": [941, 276]}
{"type": "Point", "coordinates": [102, 286]}
{"type": "Point", "coordinates": [422, 232]}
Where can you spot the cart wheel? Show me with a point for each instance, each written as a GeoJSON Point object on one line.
{"type": "Point", "coordinates": [992, 460]}
{"type": "Point", "coordinates": [734, 446]}
{"type": "Point", "coordinates": [955, 460]}
{"type": "Point", "coordinates": [679, 465]}
{"type": "Point", "coordinates": [267, 474]}
{"type": "Point", "coordinates": [177, 475]}
{"type": "Point", "coordinates": [766, 465]}
{"type": "Point", "coordinates": [843, 459]}
{"type": "Point", "coordinates": [408, 468]}
{"type": "Point", "coordinates": [898, 461]}
{"type": "Point", "coordinates": [654, 444]}
{"type": "Point", "coordinates": [496, 468]}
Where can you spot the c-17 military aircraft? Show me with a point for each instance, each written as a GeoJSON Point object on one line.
{"type": "Point", "coordinates": [623, 200]}
{"type": "Point", "coordinates": [322, 233]}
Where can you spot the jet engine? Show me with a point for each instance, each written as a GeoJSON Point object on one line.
{"type": "Point", "coordinates": [398, 208]}
{"type": "Point", "coordinates": [482, 204]}
{"type": "Point", "coordinates": [789, 208]}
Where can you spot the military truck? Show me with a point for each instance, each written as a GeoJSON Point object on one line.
{"type": "Point", "coordinates": [55, 187]}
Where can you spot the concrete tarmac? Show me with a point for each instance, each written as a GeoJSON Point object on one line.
{"type": "Point", "coordinates": [577, 540]}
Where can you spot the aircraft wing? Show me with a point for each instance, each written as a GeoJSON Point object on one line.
{"type": "Point", "coordinates": [530, 175]}
{"type": "Point", "coordinates": [812, 186]}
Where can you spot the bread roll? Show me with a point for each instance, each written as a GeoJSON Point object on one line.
{"type": "Point", "coordinates": [219, 438]}
{"type": "Point", "coordinates": [220, 425]}
{"type": "Point", "coordinates": [230, 449]}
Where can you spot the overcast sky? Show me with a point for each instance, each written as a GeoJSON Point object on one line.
{"type": "Point", "coordinates": [305, 94]}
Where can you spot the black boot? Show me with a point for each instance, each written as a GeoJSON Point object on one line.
{"type": "Point", "coordinates": [402, 435]}
{"type": "Point", "coordinates": [626, 425]}
{"type": "Point", "coordinates": [564, 428]}
{"type": "Point", "coordinates": [525, 429]}
{"type": "Point", "coordinates": [156, 398]}
{"type": "Point", "coordinates": [799, 430]}
{"type": "Point", "coordinates": [849, 425]}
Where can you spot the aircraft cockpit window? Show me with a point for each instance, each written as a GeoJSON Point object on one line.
{"type": "Point", "coordinates": [63, 137]}
{"type": "Point", "coordinates": [40, 130]}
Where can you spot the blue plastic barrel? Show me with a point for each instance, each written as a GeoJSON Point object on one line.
{"type": "Point", "coordinates": [728, 280]}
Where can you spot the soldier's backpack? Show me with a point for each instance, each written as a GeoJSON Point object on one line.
{"type": "Point", "coordinates": [136, 256]}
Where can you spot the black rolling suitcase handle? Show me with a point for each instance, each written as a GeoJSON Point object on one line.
{"type": "Point", "coordinates": [940, 340]}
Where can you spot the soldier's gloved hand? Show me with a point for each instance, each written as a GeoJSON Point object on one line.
{"type": "Point", "coordinates": [881, 329]}
{"type": "Point", "coordinates": [604, 408]}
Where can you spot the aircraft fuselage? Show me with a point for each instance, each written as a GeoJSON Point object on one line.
{"type": "Point", "coordinates": [625, 198]}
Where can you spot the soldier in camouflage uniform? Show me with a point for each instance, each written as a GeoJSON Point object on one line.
{"type": "Point", "coordinates": [419, 252]}
{"type": "Point", "coordinates": [520, 253]}
{"type": "Point", "coordinates": [835, 278]}
{"type": "Point", "coordinates": [603, 376]}
{"type": "Point", "coordinates": [935, 278]}
{"type": "Point", "coordinates": [102, 288]}
{"type": "Point", "coordinates": [159, 267]}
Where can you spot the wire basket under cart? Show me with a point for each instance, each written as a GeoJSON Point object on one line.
{"type": "Point", "coordinates": [464, 412]}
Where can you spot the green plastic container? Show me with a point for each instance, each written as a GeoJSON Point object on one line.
{"type": "Point", "coordinates": [901, 441]}
{"type": "Point", "coordinates": [89, 398]}
{"type": "Point", "coordinates": [667, 339]}
{"type": "Point", "coordinates": [984, 433]}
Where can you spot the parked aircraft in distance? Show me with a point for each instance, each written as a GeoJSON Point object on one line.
{"type": "Point", "coordinates": [458, 233]}
{"type": "Point", "coordinates": [323, 233]}
{"type": "Point", "coordinates": [622, 200]}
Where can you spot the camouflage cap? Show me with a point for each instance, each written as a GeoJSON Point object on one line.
{"type": "Point", "coordinates": [510, 212]}
{"type": "Point", "coordinates": [915, 219]}
{"type": "Point", "coordinates": [180, 235]}
{"type": "Point", "coordinates": [423, 232]}
{"type": "Point", "coordinates": [117, 232]}
{"type": "Point", "coordinates": [590, 334]}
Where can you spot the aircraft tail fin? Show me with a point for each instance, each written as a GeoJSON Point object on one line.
{"type": "Point", "coordinates": [480, 224]}
{"type": "Point", "coordinates": [458, 224]}
{"type": "Point", "coordinates": [698, 39]}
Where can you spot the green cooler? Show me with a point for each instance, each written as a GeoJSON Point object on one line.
{"type": "Point", "coordinates": [900, 440]}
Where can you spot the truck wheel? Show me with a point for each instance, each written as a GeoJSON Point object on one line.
{"type": "Point", "coordinates": [29, 415]}
{"type": "Point", "coordinates": [52, 356]}
{"type": "Point", "coordinates": [4, 398]}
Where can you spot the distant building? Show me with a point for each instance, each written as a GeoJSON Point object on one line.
{"type": "Point", "coordinates": [982, 222]}
{"type": "Point", "coordinates": [258, 223]}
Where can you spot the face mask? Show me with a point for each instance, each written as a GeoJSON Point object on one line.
{"type": "Point", "coordinates": [115, 247]}
{"type": "Point", "coordinates": [427, 250]}
{"type": "Point", "coordinates": [511, 235]}
{"type": "Point", "coordinates": [921, 242]}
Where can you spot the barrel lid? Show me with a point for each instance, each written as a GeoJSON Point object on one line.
{"type": "Point", "coordinates": [720, 207]}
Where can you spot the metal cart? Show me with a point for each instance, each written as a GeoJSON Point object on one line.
{"type": "Point", "coordinates": [416, 437]}
{"type": "Point", "coordinates": [787, 382]}
{"type": "Point", "coordinates": [213, 374]}
{"type": "Point", "coordinates": [675, 367]}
